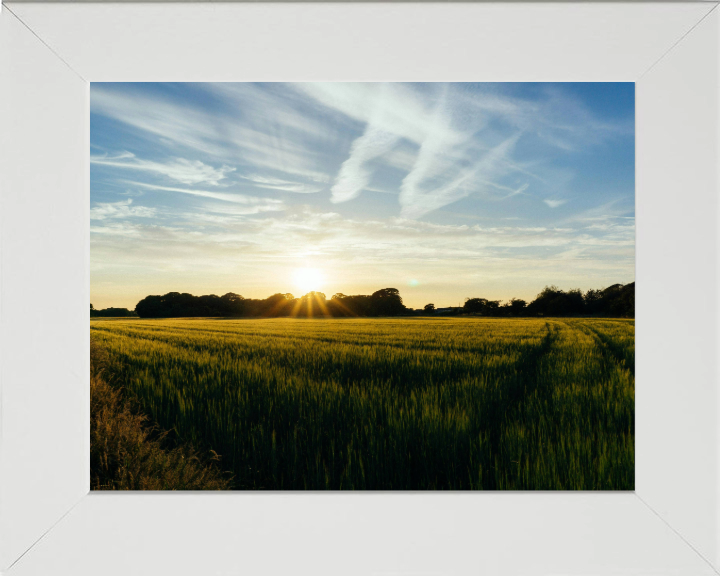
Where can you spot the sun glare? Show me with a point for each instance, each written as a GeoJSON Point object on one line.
{"type": "Point", "coordinates": [308, 280]}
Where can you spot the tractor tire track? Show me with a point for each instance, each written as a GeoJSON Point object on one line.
{"type": "Point", "coordinates": [505, 409]}
{"type": "Point", "coordinates": [609, 348]}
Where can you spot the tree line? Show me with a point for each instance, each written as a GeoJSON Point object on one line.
{"type": "Point", "coordinates": [385, 302]}
{"type": "Point", "coordinates": [111, 312]}
{"type": "Point", "coordinates": [617, 301]}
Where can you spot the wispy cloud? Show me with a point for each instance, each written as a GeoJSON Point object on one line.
{"type": "Point", "coordinates": [108, 210]}
{"type": "Point", "coordinates": [389, 240]}
{"type": "Point", "coordinates": [183, 126]}
{"type": "Point", "coordinates": [254, 204]}
{"type": "Point", "coordinates": [283, 185]}
{"type": "Point", "coordinates": [520, 190]}
{"type": "Point", "coordinates": [248, 129]}
{"type": "Point", "coordinates": [178, 169]}
{"type": "Point", "coordinates": [554, 203]}
{"type": "Point", "coordinates": [617, 208]}
{"type": "Point", "coordinates": [443, 123]}
{"type": "Point", "coordinates": [419, 195]}
{"type": "Point", "coordinates": [355, 174]}
{"type": "Point", "coordinates": [391, 113]}
{"type": "Point", "coordinates": [452, 129]}
{"type": "Point", "coordinates": [394, 108]}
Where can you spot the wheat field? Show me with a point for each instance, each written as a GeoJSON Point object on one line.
{"type": "Point", "coordinates": [390, 404]}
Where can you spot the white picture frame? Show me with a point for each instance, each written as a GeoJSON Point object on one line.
{"type": "Point", "coordinates": [51, 524]}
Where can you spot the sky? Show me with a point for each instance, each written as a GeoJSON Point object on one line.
{"type": "Point", "coordinates": [443, 191]}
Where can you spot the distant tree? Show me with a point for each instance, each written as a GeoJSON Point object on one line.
{"type": "Point", "coordinates": [150, 307]}
{"type": "Point", "coordinates": [554, 302]}
{"type": "Point", "coordinates": [474, 305]}
{"type": "Point", "coordinates": [315, 296]}
{"type": "Point", "coordinates": [593, 301]}
{"type": "Point", "coordinates": [617, 300]}
{"type": "Point", "coordinates": [625, 303]}
{"type": "Point", "coordinates": [210, 305]}
{"type": "Point", "coordinates": [337, 305]}
{"type": "Point", "coordinates": [429, 308]}
{"type": "Point", "coordinates": [517, 307]}
{"type": "Point", "coordinates": [491, 308]}
{"type": "Point", "coordinates": [312, 305]}
{"type": "Point", "coordinates": [342, 305]}
{"type": "Point", "coordinates": [483, 306]}
{"type": "Point", "coordinates": [231, 304]}
{"type": "Point", "coordinates": [91, 306]}
{"type": "Point", "coordinates": [112, 313]}
{"type": "Point", "coordinates": [387, 302]}
{"type": "Point", "coordinates": [278, 305]}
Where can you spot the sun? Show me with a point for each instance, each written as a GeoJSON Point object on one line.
{"type": "Point", "coordinates": [308, 279]}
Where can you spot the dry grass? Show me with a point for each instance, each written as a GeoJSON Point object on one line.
{"type": "Point", "coordinates": [127, 453]}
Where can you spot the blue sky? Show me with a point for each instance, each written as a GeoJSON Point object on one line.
{"type": "Point", "coordinates": [444, 191]}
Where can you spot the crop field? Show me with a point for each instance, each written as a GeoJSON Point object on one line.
{"type": "Point", "coordinates": [391, 404]}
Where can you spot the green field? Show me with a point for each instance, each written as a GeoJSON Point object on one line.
{"type": "Point", "coordinates": [408, 404]}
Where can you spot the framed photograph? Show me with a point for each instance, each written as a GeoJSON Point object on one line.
{"type": "Point", "coordinates": [278, 213]}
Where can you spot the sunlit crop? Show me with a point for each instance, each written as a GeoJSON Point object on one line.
{"type": "Point", "coordinates": [412, 403]}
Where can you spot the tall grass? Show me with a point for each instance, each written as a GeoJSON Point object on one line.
{"type": "Point", "coordinates": [455, 403]}
{"type": "Point", "coordinates": [127, 453]}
